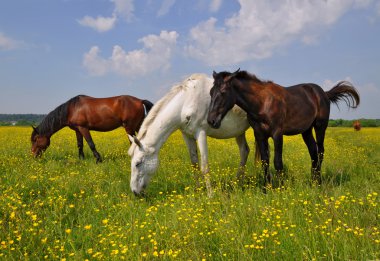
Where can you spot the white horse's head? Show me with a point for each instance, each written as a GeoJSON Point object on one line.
{"type": "Point", "coordinates": [144, 162]}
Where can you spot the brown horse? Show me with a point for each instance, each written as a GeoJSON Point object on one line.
{"type": "Point", "coordinates": [274, 111]}
{"type": "Point", "coordinates": [357, 125]}
{"type": "Point", "coordinates": [83, 113]}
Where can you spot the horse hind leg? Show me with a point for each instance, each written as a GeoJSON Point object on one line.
{"type": "Point", "coordinates": [192, 147]}
{"type": "Point", "coordinates": [320, 131]}
{"type": "Point", "coordinates": [80, 144]}
{"type": "Point", "coordinates": [313, 152]}
{"type": "Point", "coordinates": [244, 151]}
{"type": "Point", "coordinates": [86, 134]}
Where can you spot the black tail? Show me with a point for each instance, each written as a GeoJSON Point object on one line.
{"type": "Point", "coordinates": [344, 91]}
{"type": "Point", "coordinates": [148, 105]}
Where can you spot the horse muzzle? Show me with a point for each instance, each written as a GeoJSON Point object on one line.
{"type": "Point", "coordinates": [214, 122]}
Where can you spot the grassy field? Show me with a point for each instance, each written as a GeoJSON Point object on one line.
{"type": "Point", "coordinates": [60, 208]}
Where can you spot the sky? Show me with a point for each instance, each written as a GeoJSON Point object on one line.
{"type": "Point", "coordinates": [52, 50]}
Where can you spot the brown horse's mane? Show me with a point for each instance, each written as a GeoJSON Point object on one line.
{"type": "Point", "coordinates": [243, 76]}
{"type": "Point", "coordinates": [55, 120]}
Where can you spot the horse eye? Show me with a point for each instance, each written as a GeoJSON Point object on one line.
{"type": "Point", "coordinates": [138, 164]}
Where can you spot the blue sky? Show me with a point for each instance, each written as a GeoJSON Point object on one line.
{"type": "Point", "coordinates": [52, 50]}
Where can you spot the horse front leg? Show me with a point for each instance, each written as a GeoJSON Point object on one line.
{"type": "Point", "coordinates": [244, 151]}
{"type": "Point", "coordinates": [80, 144]}
{"type": "Point", "coordinates": [86, 134]}
{"type": "Point", "coordinates": [263, 146]}
{"type": "Point", "coordinates": [202, 145]}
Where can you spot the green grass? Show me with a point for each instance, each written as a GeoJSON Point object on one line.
{"type": "Point", "coordinates": [59, 207]}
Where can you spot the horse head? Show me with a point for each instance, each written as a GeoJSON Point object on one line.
{"type": "Point", "coordinates": [39, 142]}
{"type": "Point", "coordinates": [222, 97]}
{"type": "Point", "coordinates": [144, 163]}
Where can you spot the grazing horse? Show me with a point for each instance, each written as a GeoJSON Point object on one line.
{"type": "Point", "coordinates": [274, 111]}
{"type": "Point", "coordinates": [185, 107]}
{"type": "Point", "coordinates": [83, 113]}
{"type": "Point", "coordinates": [357, 125]}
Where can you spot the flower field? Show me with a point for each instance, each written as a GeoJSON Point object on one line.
{"type": "Point", "coordinates": [61, 208]}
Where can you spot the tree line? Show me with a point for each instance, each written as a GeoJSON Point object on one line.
{"type": "Point", "coordinates": [20, 119]}
{"type": "Point", "coordinates": [35, 119]}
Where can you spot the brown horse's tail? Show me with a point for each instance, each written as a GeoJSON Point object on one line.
{"type": "Point", "coordinates": [344, 91]}
{"type": "Point", "coordinates": [148, 105]}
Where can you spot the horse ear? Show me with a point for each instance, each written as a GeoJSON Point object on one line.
{"type": "Point", "coordinates": [35, 129]}
{"type": "Point", "coordinates": [213, 74]}
{"type": "Point", "coordinates": [236, 72]}
{"type": "Point", "coordinates": [229, 77]}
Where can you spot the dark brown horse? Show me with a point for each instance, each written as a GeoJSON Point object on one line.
{"type": "Point", "coordinates": [274, 111]}
{"type": "Point", "coordinates": [83, 113]}
{"type": "Point", "coordinates": [357, 125]}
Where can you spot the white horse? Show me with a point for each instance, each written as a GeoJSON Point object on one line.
{"type": "Point", "coordinates": [185, 107]}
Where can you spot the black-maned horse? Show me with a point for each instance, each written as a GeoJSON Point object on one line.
{"type": "Point", "coordinates": [274, 111]}
{"type": "Point", "coordinates": [83, 113]}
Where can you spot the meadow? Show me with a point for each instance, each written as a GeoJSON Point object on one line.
{"type": "Point", "coordinates": [61, 208]}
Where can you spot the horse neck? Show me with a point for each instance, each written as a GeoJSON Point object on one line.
{"type": "Point", "coordinates": [248, 95]}
{"type": "Point", "coordinates": [166, 121]}
{"type": "Point", "coordinates": [53, 122]}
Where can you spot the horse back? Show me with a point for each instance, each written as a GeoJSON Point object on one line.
{"type": "Point", "coordinates": [105, 114]}
{"type": "Point", "coordinates": [305, 104]}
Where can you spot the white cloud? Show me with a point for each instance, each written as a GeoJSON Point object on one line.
{"type": "Point", "coordinates": [7, 43]}
{"type": "Point", "coordinates": [378, 8]}
{"type": "Point", "coordinates": [155, 55]}
{"type": "Point", "coordinates": [100, 24]}
{"type": "Point", "coordinates": [260, 27]}
{"type": "Point", "coordinates": [215, 5]}
{"type": "Point", "coordinates": [123, 8]}
{"type": "Point", "coordinates": [165, 7]}
{"type": "Point", "coordinates": [94, 64]}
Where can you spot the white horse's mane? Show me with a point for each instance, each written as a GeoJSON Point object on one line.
{"type": "Point", "coordinates": [164, 101]}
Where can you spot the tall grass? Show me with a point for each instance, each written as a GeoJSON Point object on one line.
{"type": "Point", "coordinates": [60, 207]}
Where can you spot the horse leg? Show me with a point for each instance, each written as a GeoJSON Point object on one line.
{"type": "Point", "coordinates": [80, 144]}
{"type": "Point", "coordinates": [202, 145]}
{"type": "Point", "coordinates": [86, 134]}
{"type": "Point", "coordinates": [278, 164]}
{"type": "Point", "coordinates": [313, 151]}
{"type": "Point", "coordinates": [263, 145]}
{"type": "Point", "coordinates": [192, 147]}
{"type": "Point", "coordinates": [244, 151]}
{"type": "Point", "coordinates": [320, 132]}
